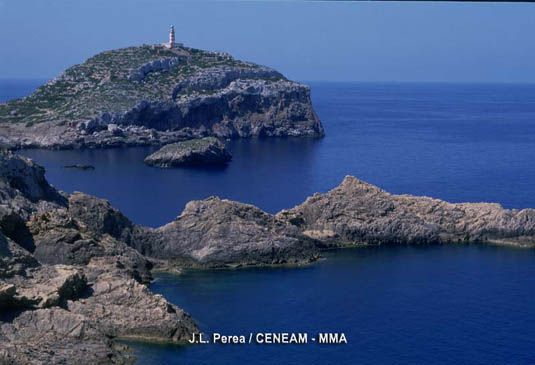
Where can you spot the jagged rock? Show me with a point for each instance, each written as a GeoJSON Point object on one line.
{"type": "Point", "coordinates": [14, 260]}
{"type": "Point", "coordinates": [215, 232]}
{"type": "Point", "coordinates": [56, 336]}
{"type": "Point", "coordinates": [24, 189]}
{"type": "Point", "coordinates": [52, 313]}
{"type": "Point", "coordinates": [101, 302]}
{"type": "Point", "coordinates": [83, 309]}
{"type": "Point", "coordinates": [14, 227]}
{"type": "Point", "coordinates": [356, 212]}
{"type": "Point", "coordinates": [23, 174]}
{"type": "Point", "coordinates": [49, 286]}
{"type": "Point", "coordinates": [130, 309]}
{"type": "Point", "coordinates": [151, 95]}
{"type": "Point", "coordinates": [194, 152]}
{"type": "Point", "coordinates": [115, 130]}
{"type": "Point", "coordinates": [85, 288]}
{"type": "Point", "coordinates": [100, 216]}
{"type": "Point", "coordinates": [209, 233]}
{"type": "Point", "coordinates": [90, 228]}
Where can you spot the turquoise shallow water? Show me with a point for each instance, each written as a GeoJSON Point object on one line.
{"type": "Point", "coordinates": [462, 304]}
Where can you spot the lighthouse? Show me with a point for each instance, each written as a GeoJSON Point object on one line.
{"type": "Point", "coordinates": [172, 43]}
{"type": "Point", "coordinates": [172, 36]}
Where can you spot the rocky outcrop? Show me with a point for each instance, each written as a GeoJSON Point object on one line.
{"type": "Point", "coordinates": [56, 313]}
{"type": "Point", "coordinates": [23, 187]}
{"type": "Point", "coordinates": [151, 95]}
{"type": "Point", "coordinates": [220, 77]}
{"type": "Point", "coordinates": [56, 336]}
{"type": "Point", "coordinates": [44, 287]}
{"type": "Point", "coordinates": [219, 233]}
{"type": "Point", "coordinates": [72, 327]}
{"type": "Point", "coordinates": [61, 239]}
{"type": "Point", "coordinates": [100, 217]}
{"type": "Point", "coordinates": [130, 309]}
{"type": "Point", "coordinates": [14, 260]}
{"type": "Point", "coordinates": [76, 286]}
{"type": "Point", "coordinates": [72, 272]}
{"type": "Point", "coordinates": [89, 228]}
{"type": "Point", "coordinates": [159, 65]}
{"type": "Point", "coordinates": [194, 152]}
{"type": "Point", "coordinates": [356, 213]}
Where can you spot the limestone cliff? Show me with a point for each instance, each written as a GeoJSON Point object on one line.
{"type": "Point", "coordinates": [155, 95]}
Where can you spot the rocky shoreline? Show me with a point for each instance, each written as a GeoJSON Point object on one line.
{"type": "Point", "coordinates": [73, 269]}
{"type": "Point", "coordinates": [69, 290]}
{"type": "Point", "coordinates": [358, 213]}
{"type": "Point", "coordinates": [193, 152]}
{"type": "Point", "coordinates": [152, 95]}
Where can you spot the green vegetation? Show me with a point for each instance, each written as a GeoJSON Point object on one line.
{"type": "Point", "coordinates": [102, 84]}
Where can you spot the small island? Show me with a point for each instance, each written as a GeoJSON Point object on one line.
{"type": "Point", "coordinates": [193, 152]}
{"type": "Point", "coordinates": [152, 95]}
{"type": "Point", "coordinates": [79, 167]}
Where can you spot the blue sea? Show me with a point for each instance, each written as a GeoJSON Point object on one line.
{"type": "Point", "coordinates": [433, 305]}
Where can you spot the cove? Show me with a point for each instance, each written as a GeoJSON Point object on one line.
{"type": "Point", "coordinates": [458, 142]}
{"type": "Point", "coordinates": [463, 304]}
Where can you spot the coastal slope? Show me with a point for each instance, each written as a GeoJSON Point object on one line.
{"type": "Point", "coordinates": [153, 95]}
{"type": "Point", "coordinates": [359, 213]}
{"type": "Point", "coordinates": [69, 290]}
{"type": "Point", "coordinates": [74, 269]}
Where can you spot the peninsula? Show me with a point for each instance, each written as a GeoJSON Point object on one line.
{"type": "Point", "coordinates": [73, 269]}
{"type": "Point", "coordinates": [155, 95]}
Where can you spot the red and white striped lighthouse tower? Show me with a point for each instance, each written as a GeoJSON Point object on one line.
{"type": "Point", "coordinates": [172, 36]}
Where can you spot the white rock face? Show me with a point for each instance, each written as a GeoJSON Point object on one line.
{"type": "Point", "coordinates": [166, 100]}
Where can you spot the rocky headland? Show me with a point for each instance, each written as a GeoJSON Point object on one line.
{"type": "Point", "coordinates": [193, 152]}
{"type": "Point", "coordinates": [153, 95]}
{"type": "Point", "coordinates": [73, 269]}
{"type": "Point", "coordinates": [358, 213]}
{"type": "Point", "coordinates": [69, 290]}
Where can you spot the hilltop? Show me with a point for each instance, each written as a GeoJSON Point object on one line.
{"type": "Point", "coordinates": [152, 94]}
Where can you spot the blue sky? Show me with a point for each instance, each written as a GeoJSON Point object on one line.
{"type": "Point", "coordinates": [306, 40]}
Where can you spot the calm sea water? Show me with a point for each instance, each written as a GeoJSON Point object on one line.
{"type": "Point", "coordinates": [463, 304]}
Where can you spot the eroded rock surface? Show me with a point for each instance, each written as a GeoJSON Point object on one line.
{"type": "Point", "coordinates": [69, 283]}
{"type": "Point", "coordinates": [151, 95]}
{"type": "Point", "coordinates": [60, 238]}
{"type": "Point", "coordinates": [23, 187]}
{"type": "Point", "coordinates": [72, 271]}
{"type": "Point", "coordinates": [56, 336]}
{"type": "Point", "coordinates": [356, 212]}
{"type": "Point", "coordinates": [215, 233]}
{"type": "Point", "coordinates": [194, 152]}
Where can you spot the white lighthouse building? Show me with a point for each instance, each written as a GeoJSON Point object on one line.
{"type": "Point", "coordinates": [172, 36]}
{"type": "Point", "coordinates": [172, 42]}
